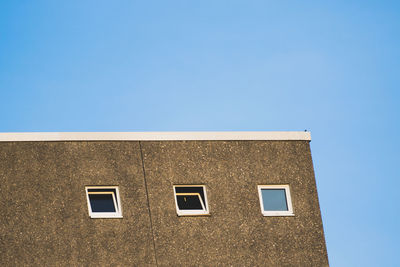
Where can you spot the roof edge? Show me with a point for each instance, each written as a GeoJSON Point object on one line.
{"type": "Point", "coordinates": [152, 136]}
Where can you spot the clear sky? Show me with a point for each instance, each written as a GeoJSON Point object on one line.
{"type": "Point", "coordinates": [332, 68]}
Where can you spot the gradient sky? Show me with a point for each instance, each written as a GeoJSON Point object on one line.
{"type": "Point", "coordinates": [331, 68]}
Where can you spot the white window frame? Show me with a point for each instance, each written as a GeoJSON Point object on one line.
{"type": "Point", "coordinates": [116, 199]}
{"type": "Point", "coordinates": [204, 211]}
{"type": "Point", "coordinates": [288, 212]}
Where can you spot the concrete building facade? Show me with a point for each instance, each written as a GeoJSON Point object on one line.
{"type": "Point", "coordinates": [45, 206]}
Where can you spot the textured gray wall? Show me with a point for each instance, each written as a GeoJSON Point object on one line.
{"type": "Point", "coordinates": [45, 219]}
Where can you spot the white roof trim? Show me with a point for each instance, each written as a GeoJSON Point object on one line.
{"type": "Point", "coordinates": [152, 136]}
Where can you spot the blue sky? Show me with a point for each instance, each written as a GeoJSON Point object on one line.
{"type": "Point", "coordinates": [331, 68]}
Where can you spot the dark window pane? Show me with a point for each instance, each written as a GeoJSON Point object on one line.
{"type": "Point", "coordinates": [274, 199]}
{"type": "Point", "coordinates": [105, 190]}
{"type": "Point", "coordinates": [192, 189]}
{"type": "Point", "coordinates": [102, 203]}
{"type": "Point", "coordinates": [189, 202]}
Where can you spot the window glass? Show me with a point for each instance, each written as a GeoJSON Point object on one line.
{"type": "Point", "coordinates": [191, 200]}
{"type": "Point", "coordinates": [103, 202]}
{"type": "Point", "coordinates": [274, 199]}
{"type": "Point", "coordinates": [190, 197]}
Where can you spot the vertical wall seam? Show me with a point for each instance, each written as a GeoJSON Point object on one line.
{"type": "Point", "coordinates": [148, 203]}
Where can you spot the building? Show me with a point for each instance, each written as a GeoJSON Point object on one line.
{"type": "Point", "coordinates": [159, 199]}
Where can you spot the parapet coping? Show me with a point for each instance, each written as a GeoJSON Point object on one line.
{"type": "Point", "coordinates": [153, 136]}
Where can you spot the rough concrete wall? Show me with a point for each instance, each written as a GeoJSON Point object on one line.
{"type": "Point", "coordinates": [44, 216]}
{"type": "Point", "coordinates": [236, 233]}
{"type": "Point", "coordinates": [45, 220]}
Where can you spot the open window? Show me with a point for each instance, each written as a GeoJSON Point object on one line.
{"type": "Point", "coordinates": [103, 202]}
{"type": "Point", "coordinates": [275, 200]}
{"type": "Point", "coordinates": [191, 200]}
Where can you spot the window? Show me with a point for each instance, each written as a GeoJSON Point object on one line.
{"type": "Point", "coordinates": [103, 202]}
{"type": "Point", "coordinates": [275, 200]}
{"type": "Point", "coordinates": [191, 200]}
